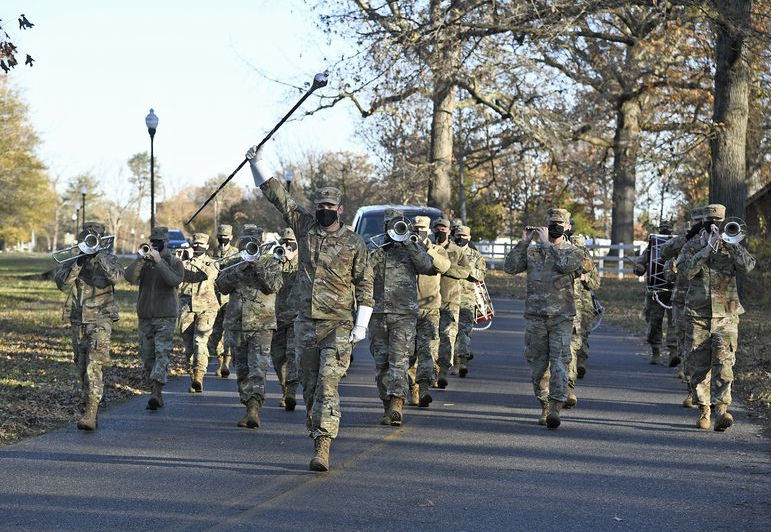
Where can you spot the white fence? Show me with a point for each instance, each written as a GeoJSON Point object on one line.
{"type": "Point", "coordinates": [495, 253]}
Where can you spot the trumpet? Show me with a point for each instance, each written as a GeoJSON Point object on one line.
{"type": "Point", "coordinates": [91, 245]}
{"type": "Point", "coordinates": [253, 251]}
{"type": "Point", "coordinates": [144, 250]}
{"type": "Point", "coordinates": [399, 231]}
{"type": "Point", "coordinates": [734, 230]}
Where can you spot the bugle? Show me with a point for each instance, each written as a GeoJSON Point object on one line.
{"type": "Point", "coordinates": [144, 250]}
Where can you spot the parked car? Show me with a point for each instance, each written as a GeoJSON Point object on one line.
{"type": "Point", "coordinates": [370, 220]}
{"type": "Point", "coordinates": [177, 240]}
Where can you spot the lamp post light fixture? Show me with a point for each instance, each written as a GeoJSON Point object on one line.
{"type": "Point", "coordinates": [288, 176]}
{"type": "Point", "coordinates": [151, 121]}
{"type": "Point", "coordinates": [83, 191]}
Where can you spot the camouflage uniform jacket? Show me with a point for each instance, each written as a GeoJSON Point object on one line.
{"type": "Point", "coordinates": [90, 288]}
{"type": "Point", "coordinates": [198, 284]}
{"type": "Point", "coordinates": [550, 272]}
{"type": "Point", "coordinates": [395, 270]}
{"type": "Point", "coordinates": [157, 285]}
{"type": "Point", "coordinates": [286, 309]}
{"type": "Point", "coordinates": [669, 252]}
{"type": "Point", "coordinates": [429, 296]}
{"type": "Point", "coordinates": [477, 272]}
{"type": "Point", "coordinates": [252, 305]}
{"type": "Point", "coordinates": [450, 286]}
{"type": "Point", "coordinates": [680, 267]}
{"type": "Point", "coordinates": [712, 281]}
{"type": "Point", "coordinates": [223, 251]}
{"type": "Point", "coordinates": [587, 280]}
{"type": "Point", "coordinates": [333, 274]}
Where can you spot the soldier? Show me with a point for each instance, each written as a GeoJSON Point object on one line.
{"type": "Point", "coordinates": [198, 308]}
{"type": "Point", "coordinates": [89, 281]}
{"type": "Point", "coordinates": [450, 289]}
{"type": "Point", "coordinates": [250, 320]}
{"type": "Point", "coordinates": [282, 345]}
{"type": "Point", "coordinates": [424, 358]}
{"type": "Point", "coordinates": [586, 280]}
{"type": "Point", "coordinates": [549, 309]}
{"type": "Point", "coordinates": [468, 298]}
{"type": "Point", "coordinates": [333, 279]}
{"type": "Point", "coordinates": [224, 249]}
{"type": "Point", "coordinates": [654, 311]}
{"type": "Point", "coordinates": [713, 309]}
{"type": "Point", "coordinates": [395, 268]}
{"type": "Point", "coordinates": [158, 275]}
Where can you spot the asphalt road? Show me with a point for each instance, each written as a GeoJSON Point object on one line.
{"type": "Point", "coordinates": [627, 458]}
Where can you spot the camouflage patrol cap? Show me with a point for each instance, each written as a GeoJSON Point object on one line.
{"type": "Point", "coordinates": [443, 222]}
{"type": "Point", "coordinates": [94, 227]}
{"type": "Point", "coordinates": [159, 233]}
{"type": "Point", "coordinates": [457, 222]}
{"type": "Point", "coordinates": [288, 234]}
{"type": "Point", "coordinates": [463, 230]}
{"type": "Point", "coordinates": [225, 230]}
{"type": "Point", "coordinates": [201, 239]}
{"type": "Point", "coordinates": [329, 195]}
{"type": "Point", "coordinates": [421, 221]}
{"type": "Point", "coordinates": [390, 214]}
{"type": "Point", "coordinates": [578, 241]}
{"type": "Point", "coordinates": [714, 211]}
{"type": "Point", "coordinates": [251, 230]}
{"type": "Point", "coordinates": [558, 215]}
{"type": "Point", "coordinates": [665, 225]}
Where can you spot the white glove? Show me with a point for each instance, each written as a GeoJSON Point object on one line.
{"type": "Point", "coordinates": [359, 332]}
{"type": "Point", "coordinates": [260, 171]}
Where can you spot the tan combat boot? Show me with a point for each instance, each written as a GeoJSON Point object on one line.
{"type": "Point", "coordinates": [196, 382]}
{"type": "Point", "coordinates": [424, 394]}
{"type": "Point", "coordinates": [724, 418]}
{"type": "Point", "coordinates": [88, 421]}
{"type": "Point", "coordinates": [156, 396]}
{"type": "Point", "coordinates": [655, 356]}
{"type": "Point", "coordinates": [704, 413]}
{"type": "Point", "coordinates": [320, 460]}
{"type": "Point", "coordinates": [544, 412]}
{"type": "Point", "coordinates": [252, 413]}
{"type": "Point", "coordinates": [553, 419]}
{"type": "Point", "coordinates": [572, 400]}
{"type": "Point", "coordinates": [225, 367]}
{"type": "Point", "coordinates": [414, 395]}
{"type": "Point", "coordinates": [395, 411]}
{"type": "Point", "coordinates": [385, 420]}
{"type": "Point", "coordinates": [289, 397]}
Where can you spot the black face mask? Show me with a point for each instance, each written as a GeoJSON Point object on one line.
{"type": "Point", "coordinates": [441, 238]}
{"type": "Point", "coordinates": [461, 241]}
{"type": "Point", "coordinates": [695, 230]}
{"type": "Point", "coordinates": [326, 217]}
{"type": "Point", "coordinates": [198, 251]}
{"type": "Point", "coordinates": [556, 230]}
{"type": "Point", "coordinates": [569, 232]}
{"type": "Point", "coordinates": [224, 241]}
{"type": "Point", "coordinates": [423, 234]}
{"type": "Point", "coordinates": [291, 246]}
{"type": "Point", "coordinates": [157, 244]}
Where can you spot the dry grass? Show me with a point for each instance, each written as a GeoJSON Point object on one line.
{"type": "Point", "coordinates": [39, 387]}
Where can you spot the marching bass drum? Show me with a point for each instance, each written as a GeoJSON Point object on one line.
{"type": "Point", "coordinates": [483, 307]}
{"type": "Point", "coordinates": [657, 283]}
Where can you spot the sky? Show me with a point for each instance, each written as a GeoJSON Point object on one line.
{"type": "Point", "coordinates": [202, 66]}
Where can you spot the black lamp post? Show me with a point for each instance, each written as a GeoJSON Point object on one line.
{"type": "Point", "coordinates": [151, 121]}
{"type": "Point", "coordinates": [83, 191]}
{"type": "Point", "coordinates": [77, 219]}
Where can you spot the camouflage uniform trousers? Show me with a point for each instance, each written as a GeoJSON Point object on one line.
{"type": "Point", "coordinates": [423, 359]}
{"type": "Point", "coordinates": [576, 343]}
{"type": "Point", "coordinates": [195, 328]}
{"type": "Point", "coordinates": [155, 344]}
{"type": "Point", "coordinates": [252, 357]}
{"type": "Point", "coordinates": [91, 345]}
{"type": "Point", "coordinates": [547, 351]}
{"type": "Point", "coordinates": [217, 335]}
{"type": "Point", "coordinates": [392, 342]}
{"type": "Point", "coordinates": [324, 353]}
{"type": "Point", "coordinates": [654, 316]}
{"type": "Point", "coordinates": [680, 319]}
{"type": "Point", "coordinates": [711, 345]}
{"type": "Point", "coordinates": [448, 330]}
{"type": "Point", "coordinates": [463, 338]}
{"type": "Point", "coordinates": [283, 354]}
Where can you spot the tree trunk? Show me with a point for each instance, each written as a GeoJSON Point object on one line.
{"type": "Point", "coordinates": [440, 156]}
{"type": "Point", "coordinates": [728, 177]}
{"type": "Point", "coordinates": [625, 145]}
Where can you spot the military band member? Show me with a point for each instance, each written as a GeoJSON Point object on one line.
{"type": "Point", "coordinates": [450, 289]}
{"type": "Point", "coordinates": [250, 320]}
{"type": "Point", "coordinates": [466, 321]}
{"type": "Point", "coordinates": [549, 309]}
{"type": "Point", "coordinates": [655, 312]}
{"type": "Point", "coordinates": [713, 309]}
{"type": "Point", "coordinates": [424, 360]}
{"type": "Point", "coordinates": [90, 280]}
{"type": "Point", "coordinates": [224, 249]}
{"type": "Point", "coordinates": [334, 284]}
{"type": "Point", "coordinates": [395, 268]}
{"type": "Point", "coordinates": [282, 349]}
{"type": "Point", "coordinates": [198, 306]}
{"type": "Point", "coordinates": [158, 274]}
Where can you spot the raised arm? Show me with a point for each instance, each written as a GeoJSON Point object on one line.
{"type": "Point", "coordinates": [422, 261]}
{"type": "Point", "coordinates": [516, 260]}
{"type": "Point", "coordinates": [460, 270]}
{"type": "Point", "coordinates": [134, 270]}
{"type": "Point", "coordinates": [441, 261]}
{"type": "Point", "coordinates": [478, 268]}
{"type": "Point", "coordinates": [66, 274]}
{"type": "Point", "coordinates": [108, 264]}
